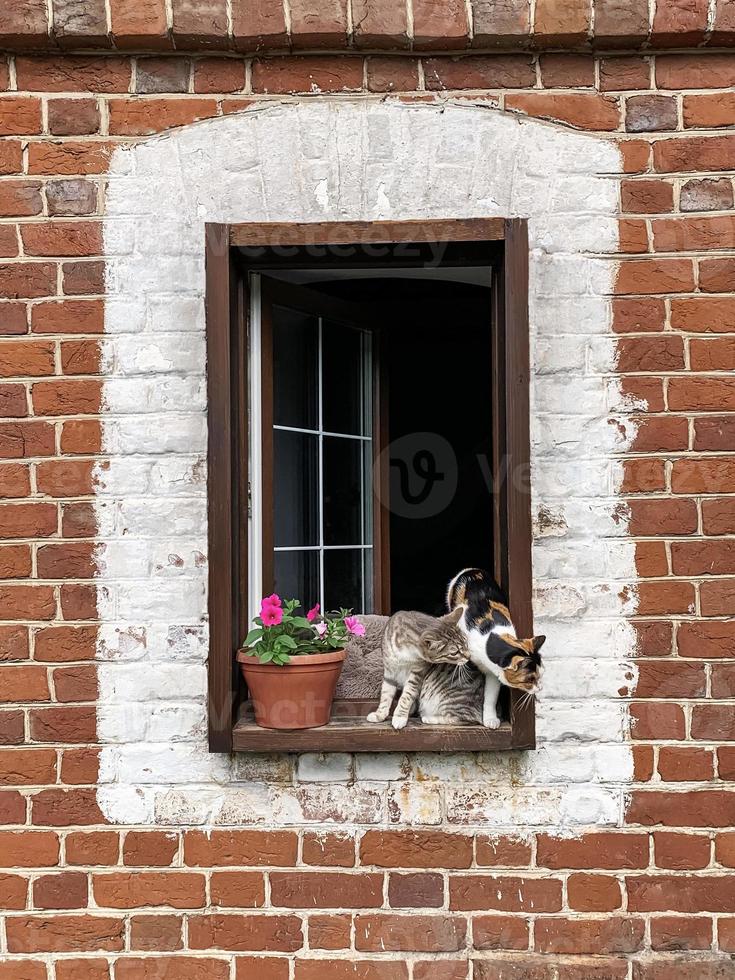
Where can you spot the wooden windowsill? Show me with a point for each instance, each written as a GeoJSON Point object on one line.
{"type": "Point", "coordinates": [348, 731]}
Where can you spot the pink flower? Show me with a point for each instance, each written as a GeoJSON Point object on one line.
{"type": "Point", "coordinates": [321, 628]}
{"type": "Point", "coordinates": [271, 615]}
{"type": "Point", "coordinates": [354, 626]}
{"type": "Point", "coordinates": [313, 613]}
{"type": "Point", "coordinates": [272, 600]}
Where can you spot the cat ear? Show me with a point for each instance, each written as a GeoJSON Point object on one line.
{"type": "Point", "coordinates": [452, 618]}
{"type": "Point", "coordinates": [538, 642]}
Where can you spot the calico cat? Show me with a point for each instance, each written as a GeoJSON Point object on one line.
{"type": "Point", "coordinates": [413, 643]}
{"type": "Point", "coordinates": [494, 647]}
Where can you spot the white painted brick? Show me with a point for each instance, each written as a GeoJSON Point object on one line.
{"type": "Point", "coordinates": [381, 767]}
{"type": "Point", "coordinates": [333, 767]}
{"type": "Point", "coordinates": [416, 804]}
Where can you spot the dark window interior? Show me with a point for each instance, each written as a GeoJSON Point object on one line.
{"type": "Point", "coordinates": [437, 364]}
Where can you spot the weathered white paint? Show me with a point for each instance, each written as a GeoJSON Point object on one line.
{"type": "Point", "coordinates": [334, 160]}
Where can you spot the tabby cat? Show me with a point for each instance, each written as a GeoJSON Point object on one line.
{"type": "Point", "coordinates": [413, 643]}
{"type": "Point", "coordinates": [494, 647]}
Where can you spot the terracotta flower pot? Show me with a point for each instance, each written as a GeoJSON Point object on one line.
{"type": "Point", "coordinates": [296, 695]}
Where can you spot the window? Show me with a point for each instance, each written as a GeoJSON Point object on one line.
{"type": "Point", "coordinates": [368, 437]}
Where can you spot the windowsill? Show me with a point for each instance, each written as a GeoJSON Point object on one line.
{"type": "Point", "coordinates": [348, 731]}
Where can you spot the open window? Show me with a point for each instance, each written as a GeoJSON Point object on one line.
{"type": "Point", "coordinates": [368, 438]}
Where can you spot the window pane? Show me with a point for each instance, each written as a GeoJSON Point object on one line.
{"type": "Point", "coordinates": [295, 489]}
{"type": "Point", "coordinates": [344, 491]}
{"type": "Point", "coordinates": [343, 578]}
{"type": "Point", "coordinates": [345, 400]}
{"type": "Point", "coordinates": [296, 576]}
{"type": "Point", "coordinates": [295, 371]}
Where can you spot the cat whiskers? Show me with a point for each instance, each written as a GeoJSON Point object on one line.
{"type": "Point", "coordinates": [527, 695]}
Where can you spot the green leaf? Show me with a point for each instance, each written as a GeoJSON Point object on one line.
{"type": "Point", "coordinates": [252, 636]}
{"type": "Point", "coordinates": [265, 658]}
{"type": "Point", "coordinates": [287, 641]}
{"type": "Point", "coordinates": [301, 622]}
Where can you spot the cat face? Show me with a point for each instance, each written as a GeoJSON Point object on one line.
{"type": "Point", "coordinates": [444, 643]}
{"type": "Point", "coordinates": [519, 661]}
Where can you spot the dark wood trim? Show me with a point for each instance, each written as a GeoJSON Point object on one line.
{"type": "Point", "coordinates": [368, 232]}
{"type": "Point", "coordinates": [266, 438]}
{"type": "Point", "coordinates": [349, 732]}
{"type": "Point", "coordinates": [221, 489]}
{"type": "Point", "coordinates": [381, 477]}
{"type": "Point", "coordinates": [518, 458]}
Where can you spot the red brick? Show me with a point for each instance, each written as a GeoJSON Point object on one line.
{"type": "Point", "coordinates": [307, 73]}
{"type": "Point", "coordinates": [64, 643]}
{"type": "Point", "coordinates": [71, 560]}
{"type": "Point", "coordinates": [723, 681]}
{"type": "Point", "coordinates": [68, 724]}
{"type": "Point", "coordinates": [12, 804]}
{"type": "Point", "coordinates": [328, 850]}
{"type": "Point", "coordinates": [65, 477]}
{"type": "Point", "coordinates": [237, 889]}
{"type": "Point", "coordinates": [13, 316]}
{"type": "Point", "coordinates": [499, 932]}
{"type": "Point", "coordinates": [12, 732]}
{"type": "Point", "coordinates": [62, 238]}
{"type": "Point", "coordinates": [703, 557]}
{"type": "Point", "coordinates": [83, 278]}
{"type": "Point", "coordinates": [70, 73]}
{"type": "Point", "coordinates": [76, 684]}
{"type": "Point", "coordinates": [479, 72]}
{"type": "Point", "coordinates": [681, 893]}
{"type": "Point", "coordinates": [318, 27]}
{"type": "Point", "coordinates": [82, 969]}
{"type": "Point", "coordinates": [619, 22]}
{"type": "Point", "coordinates": [27, 280]}
{"type": "Point", "coordinates": [258, 25]}
{"type": "Point", "coordinates": [71, 157]}
{"type": "Point", "coordinates": [386, 74]}
{"type": "Point", "coordinates": [687, 71]}
{"type": "Point", "coordinates": [482, 892]}
{"type": "Point", "coordinates": [20, 440]}
{"type": "Point", "coordinates": [725, 850]}
{"type": "Point", "coordinates": [567, 71]}
{"type": "Point", "coordinates": [654, 639]}
{"type": "Point", "coordinates": [349, 970]}
{"type": "Point", "coordinates": [698, 808]}
{"type": "Point", "coordinates": [139, 25]}
{"type": "Point", "coordinates": [95, 848]}
{"type": "Point", "coordinates": [672, 934]}
{"type": "Point", "coordinates": [707, 640]}
{"type": "Point", "coordinates": [149, 848]}
{"type": "Point", "coordinates": [638, 315]}
{"type": "Point", "coordinates": [84, 26]}
{"type": "Point", "coordinates": [711, 110]}
{"type": "Point", "coordinates": [14, 481]}
{"type": "Point", "coordinates": [624, 73]}
{"type": "Point", "coordinates": [713, 722]}
{"type": "Point", "coordinates": [688, 234]}
{"type": "Point", "coordinates": [13, 401]}
{"type": "Point", "coordinates": [693, 154]}
{"type": "Point", "coordinates": [614, 934]}
{"type": "Point", "coordinates": [581, 109]}
{"type": "Point", "coordinates": [13, 643]}
{"type": "Point", "coordinates": [717, 275]}
{"type": "Point", "coordinates": [643, 476]}
{"type": "Point", "coordinates": [718, 514]}
{"type": "Point", "coordinates": [60, 891]}
{"type": "Point", "coordinates": [79, 601]}
{"type": "Point", "coordinates": [680, 22]}
{"type": "Point", "coordinates": [593, 893]}
{"type": "Point", "coordinates": [245, 933]}
{"type": "Point", "coordinates": [69, 933]}
{"type": "Point", "coordinates": [650, 559]}
{"type": "Point", "coordinates": [415, 849]}
{"type": "Point", "coordinates": [20, 116]}
{"type": "Point", "coordinates": [681, 852]}
{"type": "Point", "coordinates": [235, 848]}
{"type": "Point", "coordinates": [219, 75]}
{"type": "Point", "coordinates": [69, 316]}
{"type": "Point", "coordinates": [13, 895]}
{"type": "Point", "coordinates": [660, 516]}
{"type": "Point", "coordinates": [81, 437]}
{"type": "Point", "coordinates": [662, 679]}
{"type": "Point", "coordinates": [414, 933]}
{"type": "Point", "coordinates": [71, 198]}
{"type": "Point", "coordinates": [712, 355]}
{"type": "Point", "coordinates": [159, 75]}
{"type": "Point", "coordinates": [418, 890]}
{"type": "Point", "coordinates": [28, 520]}
{"type": "Point", "coordinates": [73, 117]}
{"type": "Point", "coordinates": [650, 113]}
{"type": "Point", "coordinates": [156, 933]}
{"type": "Point", "coordinates": [655, 276]}
{"type": "Point", "coordinates": [703, 475]}
{"type": "Point", "coordinates": [28, 849]}
{"type": "Point", "coordinates": [708, 194]}
{"type": "Point", "coordinates": [379, 25]}
{"type": "Point", "coordinates": [172, 968]}
{"type": "Point", "coordinates": [20, 198]}
{"type": "Point", "coordinates": [80, 767]}
{"type": "Point", "coordinates": [669, 969]}
{"type": "Point", "coordinates": [66, 397]}
{"type": "Point", "coordinates": [608, 851]}
{"type": "Point", "coordinates": [27, 767]}
{"type": "Point", "coordinates": [655, 721]}
{"type": "Point", "coordinates": [561, 21]}
{"type": "Point", "coordinates": [143, 117]}
{"type": "Point", "coordinates": [503, 852]}
{"type": "Point", "coordinates": [181, 890]}
{"type": "Point", "coordinates": [681, 765]}
{"type": "Point", "coordinates": [11, 157]}
{"type": "Point", "coordinates": [15, 561]}
{"type": "Point", "coordinates": [647, 196]}
{"type": "Point", "coordinates": [632, 236]}
{"type": "Point", "coordinates": [326, 890]}
{"type": "Point", "coordinates": [25, 22]}
{"type": "Point", "coordinates": [439, 24]}
{"type": "Point", "coordinates": [21, 602]}
{"type": "Point", "coordinates": [64, 808]}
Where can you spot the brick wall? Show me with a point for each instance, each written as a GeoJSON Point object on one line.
{"type": "Point", "coordinates": [648, 898]}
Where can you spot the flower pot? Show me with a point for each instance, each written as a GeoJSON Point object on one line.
{"type": "Point", "coordinates": [296, 695]}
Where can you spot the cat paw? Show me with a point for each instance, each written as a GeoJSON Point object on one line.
{"type": "Point", "coordinates": [399, 722]}
{"type": "Point", "coordinates": [491, 721]}
{"type": "Point", "coordinates": [374, 717]}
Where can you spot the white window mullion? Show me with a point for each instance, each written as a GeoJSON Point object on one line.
{"type": "Point", "coordinates": [321, 469]}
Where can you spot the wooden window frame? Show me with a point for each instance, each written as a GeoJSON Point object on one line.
{"type": "Point", "coordinates": [227, 306]}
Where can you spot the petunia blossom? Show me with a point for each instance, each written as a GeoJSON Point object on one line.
{"type": "Point", "coordinates": [321, 628]}
{"type": "Point", "coordinates": [271, 615]}
{"type": "Point", "coordinates": [313, 613]}
{"type": "Point", "coordinates": [354, 626]}
{"type": "Point", "coordinates": [272, 600]}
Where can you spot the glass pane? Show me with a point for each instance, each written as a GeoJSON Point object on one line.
{"type": "Point", "coordinates": [345, 369]}
{"type": "Point", "coordinates": [296, 576]}
{"type": "Point", "coordinates": [343, 578]}
{"type": "Point", "coordinates": [344, 494]}
{"type": "Point", "coordinates": [295, 489]}
{"type": "Point", "coordinates": [295, 368]}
